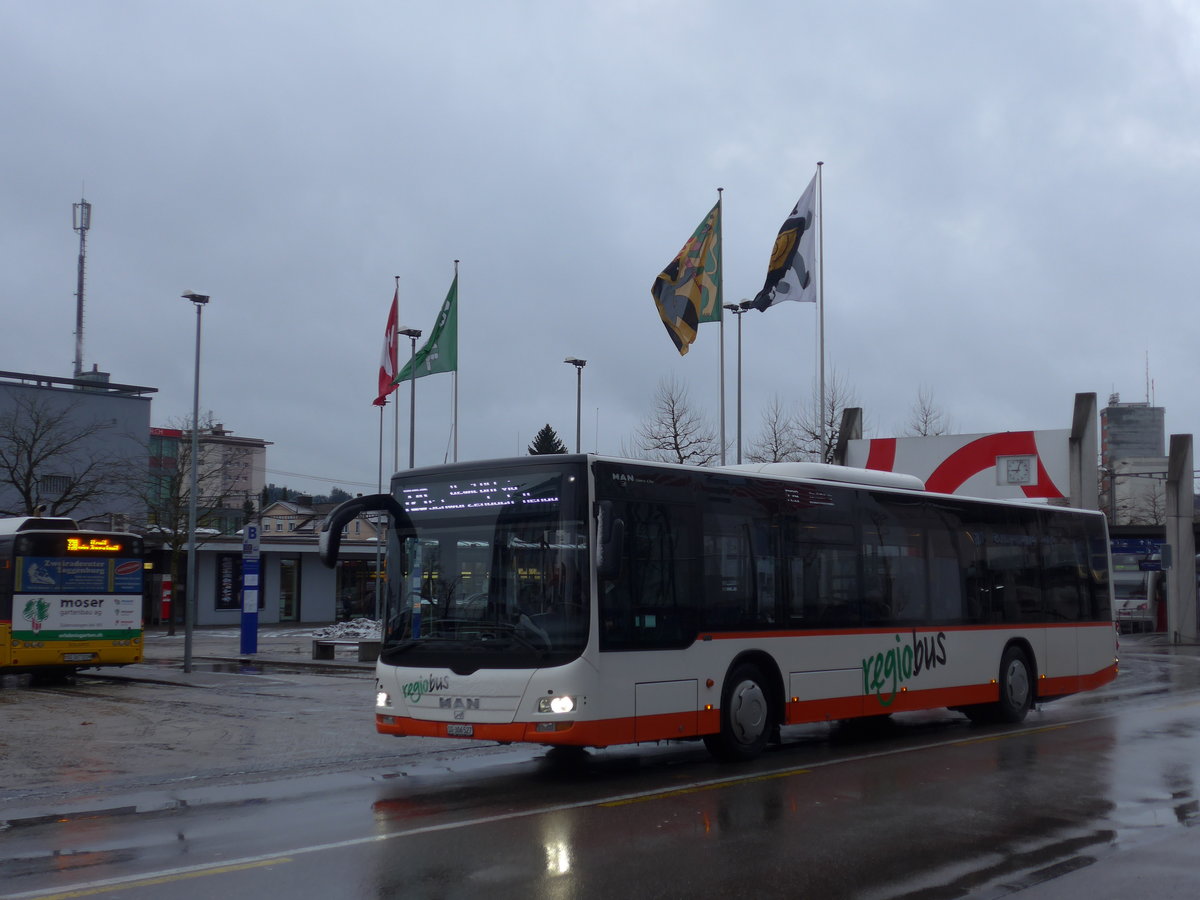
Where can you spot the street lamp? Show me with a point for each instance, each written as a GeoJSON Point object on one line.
{"type": "Point", "coordinates": [738, 309]}
{"type": "Point", "coordinates": [189, 609]}
{"type": "Point", "coordinates": [578, 364]}
{"type": "Point", "coordinates": [412, 333]}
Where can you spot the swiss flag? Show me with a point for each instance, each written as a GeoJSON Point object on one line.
{"type": "Point", "coordinates": [387, 365]}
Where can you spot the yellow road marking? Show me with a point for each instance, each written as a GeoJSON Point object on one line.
{"type": "Point", "coordinates": [662, 795]}
{"type": "Point", "coordinates": [1001, 737]}
{"type": "Point", "coordinates": [122, 884]}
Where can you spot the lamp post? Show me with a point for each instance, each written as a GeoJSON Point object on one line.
{"type": "Point", "coordinates": [578, 364]}
{"type": "Point", "coordinates": [189, 609]}
{"type": "Point", "coordinates": [413, 334]}
{"type": "Point", "coordinates": [738, 309]}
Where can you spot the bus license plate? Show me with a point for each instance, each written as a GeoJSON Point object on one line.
{"type": "Point", "coordinates": [76, 657]}
{"type": "Point", "coordinates": [457, 730]}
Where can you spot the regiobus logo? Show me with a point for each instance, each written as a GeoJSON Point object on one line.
{"type": "Point", "coordinates": [885, 673]}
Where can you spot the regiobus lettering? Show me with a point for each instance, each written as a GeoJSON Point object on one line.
{"type": "Point", "coordinates": [583, 601]}
{"type": "Point", "coordinates": [415, 690]}
{"type": "Point", "coordinates": [899, 665]}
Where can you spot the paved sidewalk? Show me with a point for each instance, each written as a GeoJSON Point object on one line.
{"type": "Point", "coordinates": [216, 652]}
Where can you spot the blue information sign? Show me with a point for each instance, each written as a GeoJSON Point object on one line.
{"type": "Point", "coordinates": [250, 572]}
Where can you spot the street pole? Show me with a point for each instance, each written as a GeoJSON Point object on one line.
{"type": "Point", "coordinates": [189, 609]}
{"type": "Point", "coordinates": [578, 364]}
{"type": "Point", "coordinates": [738, 309]}
{"type": "Point", "coordinates": [412, 334]}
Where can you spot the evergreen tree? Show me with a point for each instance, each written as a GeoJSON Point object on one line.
{"type": "Point", "coordinates": [546, 441]}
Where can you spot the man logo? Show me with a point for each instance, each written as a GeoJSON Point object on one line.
{"type": "Point", "coordinates": [458, 703]}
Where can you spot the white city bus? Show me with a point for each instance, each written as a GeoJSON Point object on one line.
{"type": "Point", "coordinates": [587, 601]}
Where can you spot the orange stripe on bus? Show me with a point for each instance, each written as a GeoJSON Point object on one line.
{"type": "Point", "coordinates": [675, 726]}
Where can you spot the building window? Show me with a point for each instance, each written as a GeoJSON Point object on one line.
{"type": "Point", "coordinates": [54, 485]}
{"type": "Point", "coordinates": [229, 581]}
{"type": "Point", "coordinates": [289, 589]}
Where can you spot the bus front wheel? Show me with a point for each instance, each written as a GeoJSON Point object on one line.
{"type": "Point", "coordinates": [746, 717]}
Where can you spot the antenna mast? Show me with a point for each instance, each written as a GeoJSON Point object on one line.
{"type": "Point", "coordinates": [81, 213]}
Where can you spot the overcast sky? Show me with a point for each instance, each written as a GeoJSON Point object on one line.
{"type": "Point", "coordinates": [1011, 194]}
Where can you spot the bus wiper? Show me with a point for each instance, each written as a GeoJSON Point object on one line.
{"type": "Point", "coordinates": [512, 631]}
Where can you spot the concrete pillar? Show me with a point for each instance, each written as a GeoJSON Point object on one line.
{"type": "Point", "coordinates": [1181, 576]}
{"type": "Point", "coordinates": [1083, 451]}
{"type": "Point", "coordinates": [850, 430]}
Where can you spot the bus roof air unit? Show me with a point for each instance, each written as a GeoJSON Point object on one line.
{"type": "Point", "coordinates": [827, 472]}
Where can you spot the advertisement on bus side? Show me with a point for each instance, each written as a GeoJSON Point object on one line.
{"type": "Point", "coordinates": [69, 599]}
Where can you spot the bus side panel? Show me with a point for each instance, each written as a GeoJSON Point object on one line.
{"type": "Point", "coordinates": [1062, 653]}
{"type": "Point", "coordinates": [664, 710]}
{"type": "Point", "coordinates": [825, 695]}
{"type": "Point", "coordinates": [1096, 651]}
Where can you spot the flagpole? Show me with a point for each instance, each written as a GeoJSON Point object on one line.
{"type": "Point", "coordinates": [721, 313]}
{"type": "Point", "coordinates": [395, 406]}
{"type": "Point", "coordinates": [455, 385]}
{"type": "Point", "coordinates": [821, 302]}
{"type": "Point", "coordinates": [378, 542]}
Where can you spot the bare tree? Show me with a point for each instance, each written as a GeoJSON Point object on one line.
{"type": "Point", "coordinates": [926, 418]}
{"type": "Point", "coordinates": [1147, 506]}
{"type": "Point", "coordinates": [167, 496]}
{"type": "Point", "coordinates": [779, 438]}
{"type": "Point", "coordinates": [819, 444]}
{"type": "Point", "coordinates": [50, 458]}
{"type": "Point", "coordinates": [674, 431]}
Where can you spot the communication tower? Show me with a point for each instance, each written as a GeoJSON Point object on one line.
{"type": "Point", "coordinates": [82, 221]}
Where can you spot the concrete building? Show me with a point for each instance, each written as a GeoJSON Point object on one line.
{"type": "Point", "coordinates": [1131, 429]}
{"type": "Point", "coordinates": [1133, 463]}
{"type": "Point", "coordinates": [231, 474]}
{"type": "Point", "coordinates": [95, 430]}
{"type": "Point", "coordinates": [1139, 494]}
{"type": "Point", "coordinates": [294, 586]}
{"type": "Point", "coordinates": [237, 466]}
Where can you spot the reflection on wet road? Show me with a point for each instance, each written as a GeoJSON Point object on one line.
{"type": "Point", "coordinates": [924, 805]}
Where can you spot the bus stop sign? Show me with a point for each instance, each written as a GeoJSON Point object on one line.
{"type": "Point", "coordinates": [250, 571]}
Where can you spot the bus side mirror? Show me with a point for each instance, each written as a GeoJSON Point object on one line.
{"type": "Point", "coordinates": [611, 533]}
{"type": "Point", "coordinates": [329, 541]}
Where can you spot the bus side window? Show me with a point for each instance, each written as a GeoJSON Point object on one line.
{"type": "Point", "coordinates": [946, 588]}
{"type": "Point", "coordinates": [652, 603]}
{"type": "Point", "coordinates": [895, 588]}
{"type": "Point", "coordinates": [739, 574]}
{"type": "Point", "coordinates": [1065, 566]}
{"type": "Point", "coordinates": [824, 586]}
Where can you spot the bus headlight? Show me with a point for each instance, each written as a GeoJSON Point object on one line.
{"type": "Point", "coordinates": [382, 700]}
{"type": "Point", "coordinates": [556, 705]}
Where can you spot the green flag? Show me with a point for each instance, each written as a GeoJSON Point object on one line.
{"type": "Point", "coordinates": [440, 352]}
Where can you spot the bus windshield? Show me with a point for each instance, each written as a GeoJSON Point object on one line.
{"type": "Point", "coordinates": [490, 570]}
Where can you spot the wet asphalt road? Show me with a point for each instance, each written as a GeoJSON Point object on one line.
{"type": "Point", "coordinates": [275, 784]}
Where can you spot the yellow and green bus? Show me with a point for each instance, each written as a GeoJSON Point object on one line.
{"type": "Point", "coordinates": [70, 598]}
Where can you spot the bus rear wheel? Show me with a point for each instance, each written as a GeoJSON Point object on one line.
{"type": "Point", "coordinates": [1016, 686]}
{"type": "Point", "coordinates": [746, 717]}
